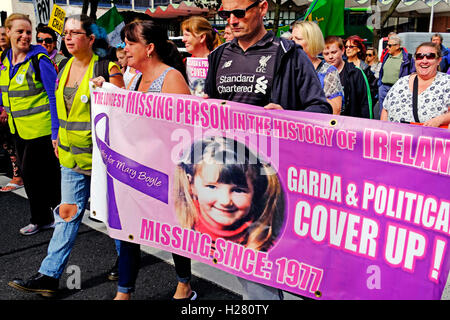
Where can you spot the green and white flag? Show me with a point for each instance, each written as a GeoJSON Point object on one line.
{"type": "Point", "coordinates": [113, 23]}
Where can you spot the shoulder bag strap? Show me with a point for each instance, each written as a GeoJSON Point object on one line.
{"type": "Point", "coordinates": [415, 98]}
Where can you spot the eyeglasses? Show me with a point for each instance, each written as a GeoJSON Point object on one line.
{"type": "Point", "coordinates": [45, 40]}
{"type": "Point", "coordinates": [369, 55]}
{"type": "Point", "coordinates": [350, 47]}
{"type": "Point", "coordinates": [429, 56]}
{"type": "Point", "coordinates": [72, 33]}
{"type": "Point", "coordinates": [392, 44]}
{"type": "Point", "coordinates": [238, 13]}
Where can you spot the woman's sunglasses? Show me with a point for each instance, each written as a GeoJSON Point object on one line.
{"type": "Point", "coordinates": [238, 13]}
{"type": "Point", "coordinates": [429, 56]}
{"type": "Point", "coordinates": [46, 40]}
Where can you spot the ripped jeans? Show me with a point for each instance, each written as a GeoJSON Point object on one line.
{"type": "Point", "coordinates": [75, 189]}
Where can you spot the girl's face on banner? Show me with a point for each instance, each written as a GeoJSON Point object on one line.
{"type": "Point", "coordinates": [221, 204]}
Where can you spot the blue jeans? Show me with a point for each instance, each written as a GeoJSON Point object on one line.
{"type": "Point", "coordinates": [382, 93]}
{"type": "Point", "coordinates": [75, 189]}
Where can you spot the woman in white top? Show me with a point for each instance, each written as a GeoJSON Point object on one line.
{"type": "Point", "coordinates": [433, 91]}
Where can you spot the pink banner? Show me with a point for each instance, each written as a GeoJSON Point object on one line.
{"type": "Point", "coordinates": [328, 207]}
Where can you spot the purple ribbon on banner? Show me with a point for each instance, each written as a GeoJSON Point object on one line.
{"type": "Point", "coordinates": [144, 179]}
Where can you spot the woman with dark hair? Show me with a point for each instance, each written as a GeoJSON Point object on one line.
{"type": "Point", "coordinates": [161, 70]}
{"type": "Point", "coordinates": [74, 149]}
{"type": "Point", "coordinates": [355, 51]}
{"type": "Point", "coordinates": [430, 87]}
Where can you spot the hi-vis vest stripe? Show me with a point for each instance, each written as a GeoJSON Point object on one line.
{"type": "Point", "coordinates": [26, 101]}
{"type": "Point", "coordinates": [75, 137]}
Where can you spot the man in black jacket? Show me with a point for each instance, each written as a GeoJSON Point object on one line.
{"type": "Point", "coordinates": [259, 69]}
{"type": "Point", "coordinates": [357, 99]}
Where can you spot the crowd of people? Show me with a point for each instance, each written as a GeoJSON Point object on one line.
{"type": "Point", "coordinates": [46, 129]}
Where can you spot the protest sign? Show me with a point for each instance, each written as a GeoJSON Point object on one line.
{"type": "Point", "coordinates": [42, 10]}
{"type": "Point", "coordinates": [57, 19]}
{"type": "Point", "coordinates": [196, 70]}
{"type": "Point", "coordinates": [325, 206]}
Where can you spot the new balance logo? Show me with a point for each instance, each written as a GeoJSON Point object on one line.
{"type": "Point", "coordinates": [227, 64]}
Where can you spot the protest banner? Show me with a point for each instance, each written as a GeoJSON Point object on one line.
{"type": "Point", "coordinates": [42, 10]}
{"type": "Point", "coordinates": [196, 70]}
{"type": "Point", "coordinates": [324, 206]}
{"type": "Point", "coordinates": [57, 19]}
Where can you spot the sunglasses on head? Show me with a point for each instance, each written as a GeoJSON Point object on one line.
{"type": "Point", "coordinates": [238, 13]}
{"type": "Point", "coordinates": [46, 40]}
{"type": "Point", "coordinates": [429, 56]}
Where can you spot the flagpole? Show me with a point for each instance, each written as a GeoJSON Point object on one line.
{"type": "Point", "coordinates": [310, 9]}
{"type": "Point", "coordinates": [431, 17]}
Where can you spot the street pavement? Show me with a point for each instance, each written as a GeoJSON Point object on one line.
{"type": "Point", "coordinates": [92, 256]}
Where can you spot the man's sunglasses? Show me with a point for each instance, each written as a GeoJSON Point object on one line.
{"type": "Point", "coordinates": [369, 54]}
{"type": "Point", "coordinates": [429, 56]}
{"type": "Point", "coordinates": [238, 13]}
{"type": "Point", "coordinates": [392, 44]}
{"type": "Point", "coordinates": [46, 40]}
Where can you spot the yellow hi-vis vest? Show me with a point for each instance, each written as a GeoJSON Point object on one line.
{"type": "Point", "coordinates": [26, 101]}
{"type": "Point", "coordinates": [75, 136]}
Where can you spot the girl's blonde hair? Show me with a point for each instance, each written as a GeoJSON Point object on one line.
{"type": "Point", "coordinates": [199, 26]}
{"type": "Point", "coordinates": [312, 35]}
{"type": "Point", "coordinates": [237, 165]}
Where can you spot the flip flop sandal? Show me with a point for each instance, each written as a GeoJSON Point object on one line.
{"type": "Point", "coordinates": [11, 187]}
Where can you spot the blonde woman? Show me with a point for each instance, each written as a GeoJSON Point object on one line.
{"type": "Point", "coordinates": [27, 83]}
{"type": "Point", "coordinates": [310, 37]}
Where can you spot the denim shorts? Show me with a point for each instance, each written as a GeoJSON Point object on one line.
{"type": "Point", "coordinates": [75, 189]}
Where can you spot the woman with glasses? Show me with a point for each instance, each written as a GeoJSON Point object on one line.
{"type": "Point", "coordinates": [372, 61]}
{"type": "Point", "coordinates": [82, 37]}
{"type": "Point", "coordinates": [396, 64]}
{"type": "Point", "coordinates": [355, 50]}
{"type": "Point", "coordinates": [433, 92]}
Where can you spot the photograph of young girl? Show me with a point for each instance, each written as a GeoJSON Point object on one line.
{"type": "Point", "coordinates": [223, 189]}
